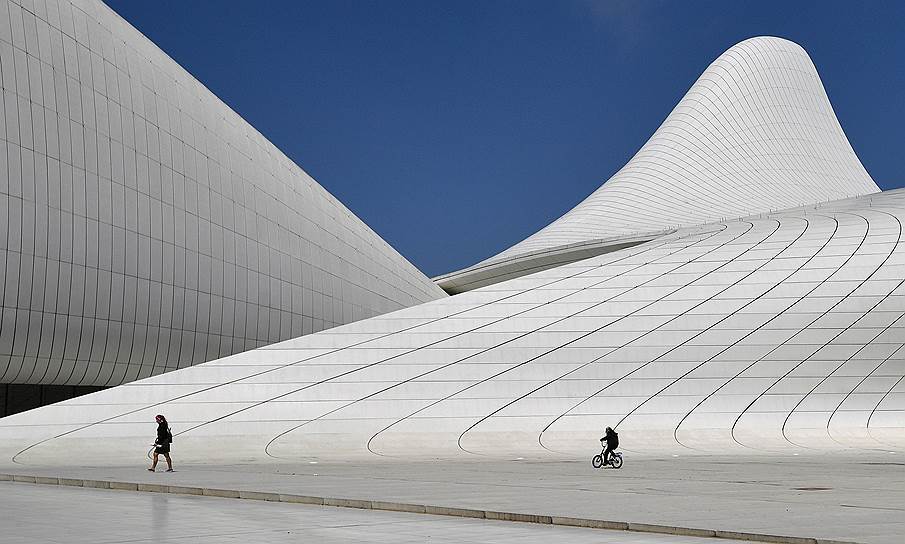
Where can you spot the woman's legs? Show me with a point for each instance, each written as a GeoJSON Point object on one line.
{"type": "Point", "coordinates": [169, 461]}
{"type": "Point", "coordinates": [154, 462]}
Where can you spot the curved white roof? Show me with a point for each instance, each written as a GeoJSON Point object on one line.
{"type": "Point", "coordinates": [755, 133]}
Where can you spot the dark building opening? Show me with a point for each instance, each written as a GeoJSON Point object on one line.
{"type": "Point", "coordinates": [18, 397]}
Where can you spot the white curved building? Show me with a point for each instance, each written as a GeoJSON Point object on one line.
{"type": "Point", "coordinates": [146, 226]}
{"type": "Point", "coordinates": [775, 331]}
{"type": "Point", "coordinates": [755, 133]}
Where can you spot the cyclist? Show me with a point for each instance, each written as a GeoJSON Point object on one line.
{"type": "Point", "coordinates": [612, 442]}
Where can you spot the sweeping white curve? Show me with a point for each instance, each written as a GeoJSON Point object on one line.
{"type": "Point", "coordinates": [756, 132]}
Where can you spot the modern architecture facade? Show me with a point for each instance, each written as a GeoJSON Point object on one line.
{"type": "Point", "coordinates": [739, 286]}
{"type": "Point", "coordinates": [145, 225]}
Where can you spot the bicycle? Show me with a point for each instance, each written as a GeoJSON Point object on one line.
{"type": "Point", "coordinates": [615, 459]}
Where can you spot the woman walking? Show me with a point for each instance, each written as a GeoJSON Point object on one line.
{"type": "Point", "coordinates": [162, 443]}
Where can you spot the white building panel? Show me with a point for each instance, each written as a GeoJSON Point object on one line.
{"type": "Point", "coordinates": [145, 226]}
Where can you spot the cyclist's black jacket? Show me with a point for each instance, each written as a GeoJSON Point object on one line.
{"type": "Point", "coordinates": [612, 439]}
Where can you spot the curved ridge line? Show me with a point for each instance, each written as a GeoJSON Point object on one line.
{"type": "Point", "coordinates": [738, 374]}
{"type": "Point", "coordinates": [713, 326]}
{"type": "Point", "coordinates": [597, 359]}
{"type": "Point", "coordinates": [852, 356]}
{"type": "Point", "coordinates": [350, 403]}
{"type": "Point", "coordinates": [825, 312]}
{"type": "Point", "coordinates": [642, 250]}
{"type": "Point", "coordinates": [644, 365]}
{"type": "Point", "coordinates": [438, 401]}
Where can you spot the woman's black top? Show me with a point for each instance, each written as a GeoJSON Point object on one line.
{"type": "Point", "coordinates": [163, 434]}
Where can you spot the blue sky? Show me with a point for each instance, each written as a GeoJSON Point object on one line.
{"type": "Point", "coordinates": [456, 129]}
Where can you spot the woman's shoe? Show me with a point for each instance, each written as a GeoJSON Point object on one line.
{"type": "Point", "coordinates": [151, 470]}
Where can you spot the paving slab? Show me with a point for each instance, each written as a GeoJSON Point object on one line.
{"type": "Point", "coordinates": [842, 497]}
{"type": "Point", "coordinates": [77, 515]}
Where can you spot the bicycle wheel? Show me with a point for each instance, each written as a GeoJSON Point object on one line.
{"type": "Point", "coordinates": [597, 461]}
{"type": "Point", "coordinates": [616, 461]}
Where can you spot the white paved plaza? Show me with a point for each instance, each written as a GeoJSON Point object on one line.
{"type": "Point", "coordinates": [152, 517]}
{"type": "Point", "coordinates": [845, 497]}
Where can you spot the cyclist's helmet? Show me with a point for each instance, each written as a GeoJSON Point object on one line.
{"type": "Point", "coordinates": [609, 429]}
{"type": "Point", "coordinates": [159, 418]}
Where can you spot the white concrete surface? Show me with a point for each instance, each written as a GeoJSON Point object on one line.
{"type": "Point", "coordinates": [845, 497]}
{"type": "Point", "coordinates": [66, 515]}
